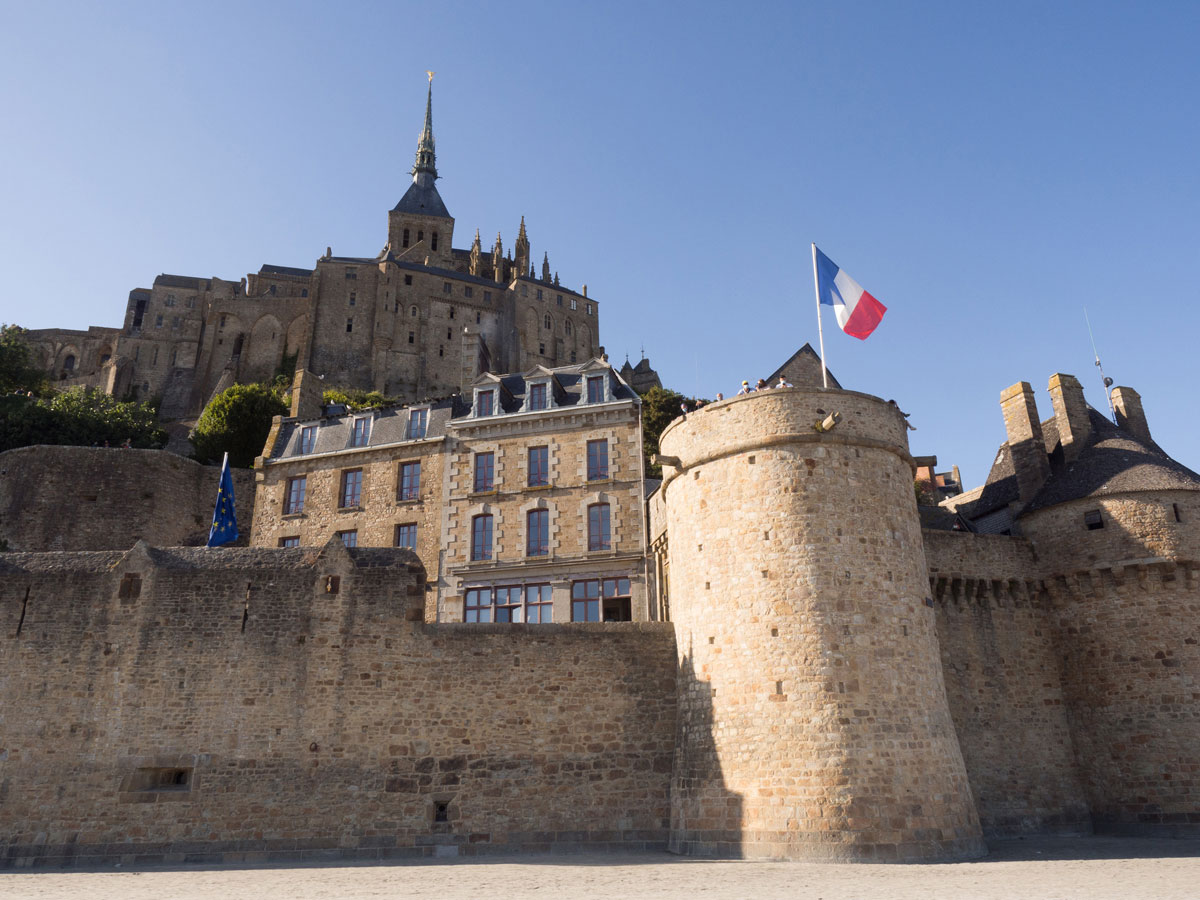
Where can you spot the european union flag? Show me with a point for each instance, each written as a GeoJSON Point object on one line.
{"type": "Point", "coordinates": [224, 523]}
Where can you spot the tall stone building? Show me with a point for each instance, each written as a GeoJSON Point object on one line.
{"type": "Point", "coordinates": [420, 318]}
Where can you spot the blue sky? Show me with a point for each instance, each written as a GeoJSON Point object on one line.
{"type": "Point", "coordinates": [985, 170]}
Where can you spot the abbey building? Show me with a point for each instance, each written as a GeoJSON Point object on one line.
{"type": "Point", "coordinates": [419, 319]}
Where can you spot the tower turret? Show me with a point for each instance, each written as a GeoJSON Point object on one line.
{"type": "Point", "coordinates": [421, 218]}
{"type": "Point", "coordinates": [498, 259]}
{"type": "Point", "coordinates": [476, 255]}
{"type": "Point", "coordinates": [521, 258]}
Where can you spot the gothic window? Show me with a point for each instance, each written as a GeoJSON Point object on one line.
{"type": "Point", "coordinates": [567, 327]}
{"type": "Point", "coordinates": [407, 278]}
{"type": "Point", "coordinates": [546, 323]}
{"type": "Point", "coordinates": [433, 241]}
{"type": "Point", "coordinates": [69, 363]}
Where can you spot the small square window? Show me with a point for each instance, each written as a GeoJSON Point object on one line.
{"type": "Point", "coordinates": [408, 279]}
{"type": "Point", "coordinates": [468, 292]}
{"type": "Point", "coordinates": [487, 296]}
{"type": "Point", "coordinates": [447, 287]}
{"type": "Point", "coordinates": [406, 535]}
{"type": "Point", "coordinates": [349, 538]}
{"type": "Point", "coordinates": [1093, 520]}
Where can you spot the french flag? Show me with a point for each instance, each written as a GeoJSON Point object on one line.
{"type": "Point", "coordinates": [858, 313]}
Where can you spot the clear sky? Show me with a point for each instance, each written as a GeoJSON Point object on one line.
{"type": "Point", "coordinates": [985, 170]}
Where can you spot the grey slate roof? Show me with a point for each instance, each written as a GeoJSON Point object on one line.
{"type": "Point", "coordinates": [388, 426]}
{"type": "Point", "coordinates": [1112, 461]}
{"type": "Point", "coordinates": [569, 391]}
{"type": "Point", "coordinates": [268, 269]}
{"type": "Point", "coordinates": [422, 201]}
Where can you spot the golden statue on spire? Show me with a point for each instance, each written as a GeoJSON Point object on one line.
{"type": "Point", "coordinates": [430, 74]}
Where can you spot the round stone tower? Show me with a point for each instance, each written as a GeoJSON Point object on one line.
{"type": "Point", "coordinates": [813, 715]}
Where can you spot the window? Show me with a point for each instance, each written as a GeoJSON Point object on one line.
{"type": "Point", "coordinates": [170, 300]}
{"type": "Point", "coordinates": [410, 480]}
{"type": "Point", "coordinates": [468, 292]}
{"type": "Point", "coordinates": [349, 538]}
{"type": "Point", "coordinates": [1175, 508]}
{"type": "Point", "coordinates": [175, 320]}
{"type": "Point", "coordinates": [537, 532]}
{"type": "Point", "coordinates": [486, 403]}
{"type": "Point", "coordinates": [539, 469]}
{"type": "Point", "coordinates": [542, 348]}
{"type": "Point", "coordinates": [509, 603]}
{"type": "Point", "coordinates": [487, 296]}
{"type": "Point", "coordinates": [1093, 520]}
{"type": "Point", "coordinates": [589, 309]}
{"type": "Point", "coordinates": [451, 314]}
{"type": "Point", "coordinates": [574, 303]}
{"type": "Point", "coordinates": [477, 605]}
{"type": "Point", "coordinates": [447, 287]}
{"type": "Point", "coordinates": [572, 356]}
{"type": "Point", "coordinates": [407, 278]}
{"type": "Point", "coordinates": [567, 327]}
{"type": "Point", "coordinates": [449, 335]}
{"type": "Point", "coordinates": [412, 337]}
{"type": "Point", "coordinates": [558, 299]}
{"type": "Point", "coordinates": [351, 275]}
{"type": "Point", "coordinates": [485, 471]}
{"type": "Point", "coordinates": [441, 350]}
{"type": "Point", "coordinates": [417, 421]}
{"type": "Point", "coordinates": [222, 323]}
{"type": "Point", "coordinates": [353, 297]}
{"type": "Point", "coordinates": [158, 321]}
{"type": "Point", "coordinates": [539, 293]}
{"type": "Point", "coordinates": [303, 293]}
{"type": "Point", "coordinates": [406, 535]}
{"type": "Point", "coordinates": [595, 388]}
{"type": "Point", "coordinates": [351, 493]}
{"type": "Point", "coordinates": [601, 600]}
{"type": "Point", "coordinates": [597, 460]}
{"type": "Point", "coordinates": [349, 325]}
{"type": "Point", "coordinates": [478, 317]}
{"type": "Point", "coordinates": [404, 242]}
{"type": "Point", "coordinates": [308, 438]}
{"type": "Point", "coordinates": [289, 541]}
{"type": "Point", "coordinates": [537, 396]}
{"type": "Point", "coordinates": [433, 241]}
{"type": "Point", "coordinates": [420, 235]}
{"type": "Point", "coordinates": [599, 535]}
{"type": "Point", "coordinates": [271, 290]}
{"type": "Point", "coordinates": [546, 323]}
{"type": "Point", "coordinates": [413, 312]}
{"type": "Point", "coordinates": [293, 500]}
{"type": "Point", "coordinates": [361, 433]}
{"type": "Point", "coordinates": [481, 537]}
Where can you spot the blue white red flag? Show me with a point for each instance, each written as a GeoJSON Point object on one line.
{"type": "Point", "coordinates": [858, 313]}
{"type": "Point", "coordinates": [224, 524]}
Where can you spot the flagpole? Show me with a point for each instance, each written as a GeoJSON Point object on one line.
{"type": "Point", "coordinates": [820, 330]}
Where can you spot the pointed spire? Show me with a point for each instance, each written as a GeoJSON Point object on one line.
{"type": "Point", "coordinates": [545, 267]}
{"type": "Point", "coordinates": [425, 169]}
{"type": "Point", "coordinates": [521, 252]}
{"type": "Point", "coordinates": [476, 255]}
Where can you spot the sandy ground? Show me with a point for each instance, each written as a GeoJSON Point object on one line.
{"type": "Point", "coordinates": [1041, 869]}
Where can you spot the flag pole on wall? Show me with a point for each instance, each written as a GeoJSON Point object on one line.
{"type": "Point", "coordinates": [820, 331]}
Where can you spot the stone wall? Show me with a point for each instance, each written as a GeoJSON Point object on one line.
{"type": "Point", "coordinates": [814, 719]}
{"type": "Point", "coordinates": [100, 498]}
{"type": "Point", "coordinates": [1000, 664]}
{"type": "Point", "coordinates": [236, 705]}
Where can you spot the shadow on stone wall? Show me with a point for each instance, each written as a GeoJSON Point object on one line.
{"type": "Point", "coordinates": [706, 817]}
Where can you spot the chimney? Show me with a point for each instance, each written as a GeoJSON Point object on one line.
{"type": "Point", "coordinates": [1025, 440]}
{"type": "Point", "coordinates": [307, 390]}
{"type": "Point", "coordinates": [1070, 414]}
{"type": "Point", "coordinates": [1130, 415]}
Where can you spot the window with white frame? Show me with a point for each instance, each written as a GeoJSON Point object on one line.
{"type": "Point", "coordinates": [537, 532]}
{"type": "Point", "coordinates": [361, 432]}
{"type": "Point", "coordinates": [599, 531]}
{"type": "Point", "coordinates": [418, 420]}
{"type": "Point", "coordinates": [537, 396]}
{"type": "Point", "coordinates": [595, 389]}
{"type": "Point", "coordinates": [308, 438]}
{"type": "Point", "coordinates": [485, 403]}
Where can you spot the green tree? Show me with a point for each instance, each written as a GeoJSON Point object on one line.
{"type": "Point", "coordinates": [355, 398]}
{"type": "Point", "coordinates": [17, 372]}
{"type": "Point", "coordinates": [80, 416]}
{"type": "Point", "coordinates": [660, 407]}
{"type": "Point", "coordinates": [236, 422]}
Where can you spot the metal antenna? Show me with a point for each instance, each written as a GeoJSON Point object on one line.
{"type": "Point", "coordinates": [1108, 382]}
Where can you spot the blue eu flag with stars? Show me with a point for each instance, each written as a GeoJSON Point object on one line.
{"type": "Point", "coordinates": [224, 524]}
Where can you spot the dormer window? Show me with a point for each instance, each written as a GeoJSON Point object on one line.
{"type": "Point", "coordinates": [417, 422]}
{"type": "Point", "coordinates": [361, 433]}
{"type": "Point", "coordinates": [485, 403]}
{"type": "Point", "coordinates": [595, 389]}
{"type": "Point", "coordinates": [537, 396]}
{"type": "Point", "coordinates": [308, 438]}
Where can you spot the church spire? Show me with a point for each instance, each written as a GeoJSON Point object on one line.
{"type": "Point", "coordinates": [424, 171]}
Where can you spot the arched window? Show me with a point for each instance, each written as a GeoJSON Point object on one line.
{"type": "Point", "coordinates": [413, 312]}
{"type": "Point", "coordinates": [433, 241]}
{"type": "Point", "coordinates": [546, 323]}
{"type": "Point", "coordinates": [69, 363]}
{"type": "Point", "coordinates": [567, 327]}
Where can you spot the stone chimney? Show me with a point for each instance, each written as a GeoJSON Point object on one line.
{"type": "Point", "coordinates": [1130, 415]}
{"type": "Point", "coordinates": [1025, 440]}
{"type": "Point", "coordinates": [307, 389]}
{"type": "Point", "coordinates": [1070, 414]}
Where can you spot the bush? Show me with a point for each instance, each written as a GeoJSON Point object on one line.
{"type": "Point", "coordinates": [80, 416]}
{"type": "Point", "coordinates": [236, 422]}
{"type": "Point", "coordinates": [355, 399]}
{"type": "Point", "coordinates": [16, 371]}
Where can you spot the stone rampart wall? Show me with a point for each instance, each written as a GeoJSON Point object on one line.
{"type": "Point", "coordinates": [188, 705]}
{"type": "Point", "coordinates": [101, 498]}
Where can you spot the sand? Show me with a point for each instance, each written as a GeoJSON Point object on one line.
{"type": "Point", "coordinates": [1093, 868]}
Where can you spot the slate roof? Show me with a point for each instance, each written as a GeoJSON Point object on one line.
{"type": "Point", "coordinates": [1112, 461]}
{"type": "Point", "coordinates": [181, 281]}
{"type": "Point", "coordinates": [800, 367]}
{"type": "Point", "coordinates": [388, 426]}
{"type": "Point", "coordinates": [570, 389]}
{"type": "Point", "coordinates": [285, 270]}
{"type": "Point", "coordinates": [422, 201]}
